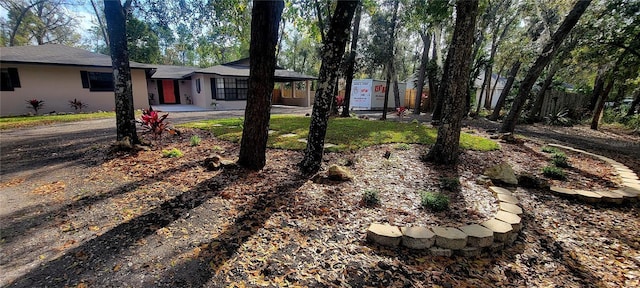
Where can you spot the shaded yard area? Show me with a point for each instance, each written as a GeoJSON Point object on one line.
{"type": "Point", "coordinates": [142, 220]}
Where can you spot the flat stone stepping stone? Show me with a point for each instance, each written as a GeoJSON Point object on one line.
{"type": "Point", "coordinates": [329, 145]}
{"type": "Point", "coordinates": [302, 140]}
{"type": "Point", "coordinates": [500, 190]}
{"type": "Point", "coordinates": [501, 230]}
{"type": "Point", "coordinates": [384, 234]}
{"type": "Point", "coordinates": [510, 218]}
{"type": "Point", "coordinates": [507, 198]}
{"type": "Point", "coordinates": [289, 135]}
{"type": "Point", "coordinates": [628, 175]}
{"type": "Point", "coordinates": [271, 132]}
{"type": "Point", "coordinates": [511, 208]}
{"type": "Point", "coordinates": [632, 190]}
{"type": "Point", "coordinates": [478, 236]}
{"type": "Point", "coordinates": [564, 191]}
{"type": "Point", "coordinates": [631, 183]}
{"type": "Point", "coordinates": [450, 238]}
{"type": "Point", "coordinates": [417, 237]}
{"type": "Point", "coordinates": [611, 197]}
{"type": "Point", "coordinates": [626, 194]}
{"type": "Point", "coordinates": [589, 196]}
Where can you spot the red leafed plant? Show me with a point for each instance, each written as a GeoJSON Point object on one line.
{"type": "Point", "coordinates": [340, 100]}
{"type": "Point", "coordinates": [154, 123]}
{"type": "Point", "coordinates": [35, 104]}
{"type": "Point", "coordinates": [401, 112]}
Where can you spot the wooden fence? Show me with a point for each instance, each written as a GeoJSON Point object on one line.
{"type": "Point", "coordinates": [555, 101]}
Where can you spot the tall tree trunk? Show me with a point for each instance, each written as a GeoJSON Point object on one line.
{"type": "Point", "coordinates": [396, 90]}
{"type": "Point", "coordinates": [634, 103]}
{"type": "Point", "coordinates": [116, 25]}
{"type": "Point", "coordinates": [493, 88]}
{"type": "Point", "coordinates": [534, 114]}
{"type": "Point", "coordinates": [598, 86]}
{"type": "Point", "coordinates": [424, 60]}
{"type": "Point", "coordinates": [332, 52]}
{"type": "Point", "coordinates": [385, 105]}
{"type": "Point", "coordinates": [265, 18]}
{"type": "Point", "coordinates": [351, 61]}
{"type": "Point", "coordinates": [455, 84]}
{"type": "Point", "coordinates": [391, 64]}
{"type": "Point", "coordinates": [600, 103]}
{"type": "Point", "coordinates": [334, 100]}
{"type": "Point", "coordinates": [505, 91]}
{"type": "Point", "coordinates": [549, 51]}
{"type": "Point", "coordinates": [102, 28]}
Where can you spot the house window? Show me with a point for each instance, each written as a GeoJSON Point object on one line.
{"type": "Point", "coordinates": [231, 89]}
{"type": "Point", "coordinates": [9, 79]}
{"type": "Point", "coordinates": [97, 81]}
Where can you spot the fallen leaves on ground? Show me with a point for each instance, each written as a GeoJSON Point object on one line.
{"type": "Point", "coordinates": [154, 221]}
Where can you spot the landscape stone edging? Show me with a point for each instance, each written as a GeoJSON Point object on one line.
{"type": "Point", "coordinates": [630, 190]}
{"type": "Point", "coordinates": [468, 241]}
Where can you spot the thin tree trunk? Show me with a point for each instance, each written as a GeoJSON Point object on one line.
{"type": "Point", "coordinates": [332, 52]}
{"type": "Point", "coordinates": [505, 91]}
{"type": "Point", "coordinates": [351, 61]}
{"type": "Point", "coordinates": [600, 103]}
{"type": "Point", "coordinates": [598, 86]}
{"type": "Point", "coordinates": [385, 106]}
{"type": "Point", "coordinates": [265, 19]}
{"type": "Point", "coordinates": [634, 103]}
{"type": "Point", "coordinates": [424, 60]}
{"type": "Point", "coordinates": [493, 89]}
{"type": "Point", "coordinates": [484, 84]}
{"type": "Point", "coordinates": [534, 114]}
{"type": "Point", "coordinates": [455, 84]}
{"type": "Point", "coordinates": [103, 29]}
{"type": "Point", "coordinates": [116, 25]}
{"type": "Point", "coordinates": [549, 51]}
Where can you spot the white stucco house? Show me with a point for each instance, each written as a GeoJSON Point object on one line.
{"type": "Point", "coordinates": [57, 74]}
{"type": "Point", "coordinates": [223, 87]}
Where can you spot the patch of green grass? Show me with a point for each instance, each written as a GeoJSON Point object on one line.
{"type": "Point", "coordinates": [434, 201]}
{"type": "Point", "coordinates": [195, 140]}
{"type": "Point", "coordinates": [553, 172]}
{"type": "Point", "coordinates": [371, 197]}
{"type": "Point", "coordinates": [173, 153]}
{"type": "Point", "coordinates": [39, 120]}
{"type": "Point", "coordinates": [402, 146]}
{"type": "Point", "coordinates": [345, 133]}
{"type": "Point", "coordinates": [549, 149]}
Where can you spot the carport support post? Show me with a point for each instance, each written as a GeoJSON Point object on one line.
{"type": "Point", "coordinates": [293, 89]}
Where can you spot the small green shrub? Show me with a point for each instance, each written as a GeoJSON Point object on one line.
{"type": "Point", "coordinates": [371, 197]}
{"type": "Point", "coordinates": [450, 183]}
{"type": "Point", "coordinates": [217, 148]}
{"type": "Point", "coordinates": [403, 146]}
{"type": "Point", "coordinates": [549, 149]}
{"type": "Point", "coordinates": [173, 153]}
{"type": "Point", "coordinates": [415, 121]}
{"type": "Point", "coordinates": [434, 201]}
{"type": "Point", "coordinates": [553, 172]}
{"type": "Point", "coordinates": [559, 159]}
{"type": "Point", "coordinates": [195, 140]}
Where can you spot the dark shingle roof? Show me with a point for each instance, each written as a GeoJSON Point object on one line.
{"type": "Point", "coordinates": [57, 54]}
{"type": "Point", "coordinates": [172, 72]}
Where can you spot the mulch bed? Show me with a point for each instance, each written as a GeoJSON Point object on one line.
{"type": "Point", "coordinates": [142, 220]}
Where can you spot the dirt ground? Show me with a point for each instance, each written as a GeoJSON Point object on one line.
{"type": "Point", "coordinates": [75, 215]}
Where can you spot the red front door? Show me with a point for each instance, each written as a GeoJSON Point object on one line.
{"type": "Point", "coordinates": [168, 92]}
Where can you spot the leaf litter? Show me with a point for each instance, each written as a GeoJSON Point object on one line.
{"type": "Point", "coordinates": [142, 220]}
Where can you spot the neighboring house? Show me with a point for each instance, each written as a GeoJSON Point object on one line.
{"type": "Point", "coordinates": [223, 87]}
{"type": "Point", "coordinates": [495, 93]}
{"type": "Point", "coordinates": [57, 74]}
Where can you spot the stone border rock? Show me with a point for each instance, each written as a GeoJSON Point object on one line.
{"type": "Point", "coordinates": [468, 241]}
{"type": "Point", "coordinates": [630, 190]}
